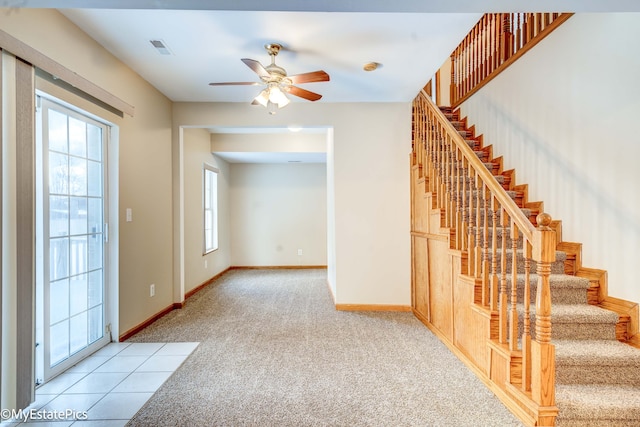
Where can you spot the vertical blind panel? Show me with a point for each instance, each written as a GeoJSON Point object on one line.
{"type": "Point", "coordinates": [25, 195]}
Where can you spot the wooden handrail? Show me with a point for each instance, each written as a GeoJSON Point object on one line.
{"type": "Point", "coordinates": [492, 45]}
{"type": "Point", "coordinates": [523, 223]}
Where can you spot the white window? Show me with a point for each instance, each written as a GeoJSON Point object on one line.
{"type": "Point", "coordinates": [210, 203]}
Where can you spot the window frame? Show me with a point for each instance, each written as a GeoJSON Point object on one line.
{"type": "Point", "coordinates": [210, 171]}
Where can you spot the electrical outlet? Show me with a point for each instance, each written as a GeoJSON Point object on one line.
{"type": "Point", "coordinates": [129, 215]}
{"type": "Point", "coordinates": [152, 290]}
{"type": "Point", "coordinates": [299, 251]}
{"type": "Point", "coordinates": [205, 263]}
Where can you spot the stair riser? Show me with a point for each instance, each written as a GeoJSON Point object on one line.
{"type": "Point", "coordinates": [559, 295]}
{"type": "Point", "coordinates": [571, 331]}
{"type": "Point", "coordinates": [596, 374]}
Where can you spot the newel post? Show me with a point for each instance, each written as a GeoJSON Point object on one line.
{"type": "Point", "coordinates": [542, 351]}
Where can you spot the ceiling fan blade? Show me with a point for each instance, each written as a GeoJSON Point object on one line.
{"type": "Point", "coordinates": [314, 76]}
{"type": "Point", "coordinates": [256, 67]}
{"type": "Point", "coordinates": [235, 84]}
{"type": "Point", "coordinates": [303, 93]}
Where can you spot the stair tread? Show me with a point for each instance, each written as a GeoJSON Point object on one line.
{"type": "Point", "coordinates": [598, 402]}
{"type": "Point", "coordinates": [556, 280]}
{"type": "Point", "coordinates": [583, 314]}
{"type": "Point", "coordinates": [600, 352]}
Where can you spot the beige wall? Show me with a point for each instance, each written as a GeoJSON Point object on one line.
{"type": "Point", "coordinates": [144, 157]}
{"type": "Point", "coordinates": [197, 153]}
{"type": "Point", "coordinates": [370, 191]}
{"type": "Point", "coordinates": [277, 209]}
{"type": "Point", "coordinates": [563, 116]}
{"type": "Point", "coordinates": [371, 219]}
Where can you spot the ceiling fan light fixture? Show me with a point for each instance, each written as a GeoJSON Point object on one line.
{"type": "Point", "coordinates": [263, 98]}
{"type": "Point", "coordinates": [277, 96]}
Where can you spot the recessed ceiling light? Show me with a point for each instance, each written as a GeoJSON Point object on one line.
{"type": "Point", "coordinates": [371, 66]}
{"type": "Point", "coordinates": [294, 128]}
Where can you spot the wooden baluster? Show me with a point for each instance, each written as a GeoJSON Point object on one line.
{"type": "Point", "coordinates": [469, 63]}
{"type": "Point", "coordinates": [486, 288]}
{"type": "Point", "coordinates": [513, 332]}
{"type": "Point", "coordinates": [463, 196]}
{"type": "Point", "coordinates": [494, 255]}
{"type": "Point", "coordinates": [476, 59]}
{"type": "Point", "coordinates": [538, 17]}
{"type": "Point", "coordinates": [532, 26]}
{"type": "Point", "coordinates": [497, 39]}
{"type": "Point", "coordinates": [526, 334]}
{"type": "Point", "coordinates": [518, 31]}
{"type": "Point", "coordinates": [486, 41]}
{"type": "Point", "coordinates": [445, 173]}
{"type": "Point", "coordinates": [503, 278]}
{"type": "Point", "coordinates": [542, 351]}
{"type": "Point", "coordinates": [479, 203]}
{"type": "Point", "coordinates": [494, 42]}
{"type": "Point", "coordinates": [472, 223]}
{"type": "Point", "coordinates": [460, 78]}
{"type": "Point", "coordinates": [459, 199]}
{"type": "Point", "coordinates": [506, 37]}
{"type": "Point", "coordinates": [441, 183]}
{"type": "Point", "coordinates": [435, 155]}
{"type": "Point", "coordinates": [452, 84]}
{"type": "Point", "coordinates": [445, 177]}
{"type": "Point", "coordinates": [451, 186]}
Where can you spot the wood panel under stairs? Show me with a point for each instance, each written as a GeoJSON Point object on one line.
{"type": "Point", "coordinates": [597, 376]}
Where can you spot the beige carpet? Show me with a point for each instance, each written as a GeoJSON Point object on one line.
{"type": "Point", "coordinates": [275, 352]}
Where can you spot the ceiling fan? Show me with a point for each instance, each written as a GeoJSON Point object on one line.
{"type": "Point", "coordinates": [278, 83]}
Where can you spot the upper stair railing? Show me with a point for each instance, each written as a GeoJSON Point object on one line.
{"type": "Point", "coordinates": [495, 42]}
{"type": "Point", "coordinates": [502, 247]}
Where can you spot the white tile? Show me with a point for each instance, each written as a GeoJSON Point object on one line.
{"type": "Point", "coordinates": [142, 382]}
{"type": "Point", "coordinates": [97, 382]}
{"type": "Point", "coordinates": [89, 364]}
{"type": "Point", "coordinates": [101, 423]}
{"type": "Point", "coordinates": [74, 402]}
{"type": "Point", "coordinates": [41, 400]}
{"type": "Point", "coordinates": [112, 349]}
{"type": "Point", "coordinates": [122, 364]}
{"type": "Point", "coordinates": [161, 363]}
{"type": "Point", "coordinates": [177, 349]}
{"type": "Point", "coordinates": [60, 383]}
{"type": "Point", "coordinates": [118, 406]}
{"type": "Point", "coordinates": [141, 349]}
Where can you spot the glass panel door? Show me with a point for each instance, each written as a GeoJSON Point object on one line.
{"type": "Point", "coordinates": [72, 305]}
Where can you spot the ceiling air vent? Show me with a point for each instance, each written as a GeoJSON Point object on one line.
{"type": "Point", "coordinates": [161, 47]}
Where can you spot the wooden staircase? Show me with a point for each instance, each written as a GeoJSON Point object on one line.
{"type": "Point", "coordinates": [512, 299]}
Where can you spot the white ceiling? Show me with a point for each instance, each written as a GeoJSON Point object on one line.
{"type": "Point", "coordinates": [206, 46]}
{"type": "Point", "coordinates": [207, 39]}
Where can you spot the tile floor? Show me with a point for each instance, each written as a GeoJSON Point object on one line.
{"type": "Point", "coordinates": [111, 385]}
